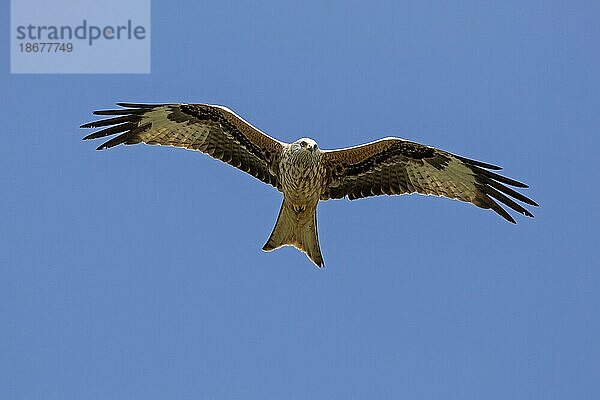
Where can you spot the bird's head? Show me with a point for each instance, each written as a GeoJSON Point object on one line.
{"type": "Point", "coordinates": [305, 145]}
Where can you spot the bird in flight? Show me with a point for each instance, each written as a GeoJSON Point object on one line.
{"type": "Point", "coordinates": [306, 174]}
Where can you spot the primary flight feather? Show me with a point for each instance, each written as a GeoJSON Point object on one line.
{"type": "Point", "coordinates": [306, 174]}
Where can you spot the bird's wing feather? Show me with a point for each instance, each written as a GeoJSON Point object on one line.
{"type": "Point", "coordinates": [396, 166]}
{"type": "Point", "coordinates": [214, 130]}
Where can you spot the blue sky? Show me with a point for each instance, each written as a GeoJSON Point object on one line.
{"type": "Point", "coordinates": [137, 272]}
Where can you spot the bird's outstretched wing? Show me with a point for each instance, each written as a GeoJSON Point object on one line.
{"type": "Point", "coordinates": [214, 130]}
{"type": "Point", "coordinates": [395, 166]}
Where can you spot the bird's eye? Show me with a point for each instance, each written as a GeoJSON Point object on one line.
{"type": "Point", "coordinates": [303, 143]}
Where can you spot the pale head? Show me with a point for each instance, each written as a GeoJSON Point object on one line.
{"type": "Point", "coordinates": [305, 144]}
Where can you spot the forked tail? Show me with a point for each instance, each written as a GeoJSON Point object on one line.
{"type": "Point", "coordinates": [298, 229]}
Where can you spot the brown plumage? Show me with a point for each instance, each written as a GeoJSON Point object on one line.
{"type": "Point", "coordinates": [304, 173]}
